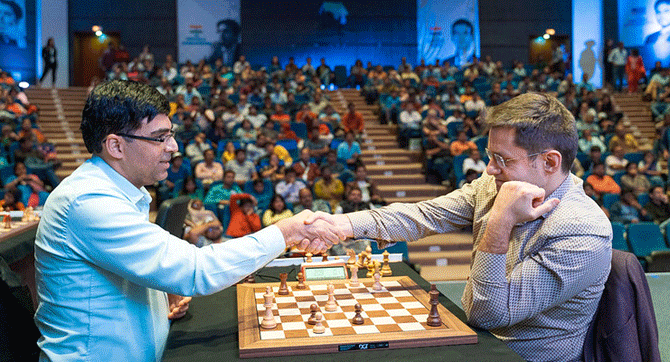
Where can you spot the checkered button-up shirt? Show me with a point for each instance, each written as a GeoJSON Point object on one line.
{"type": "Point", "coordinates": [539, 297]}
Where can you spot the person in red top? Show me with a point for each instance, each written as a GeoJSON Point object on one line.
{"type": "Point", "coordinates": [634, 70]}
{"type": "Point", "coordinates": [602, 183]}
{"type": "Point", "coordinates": [353, 121]}
{"type": "Point", "coordinates": [279, 115]}
{"type": "Point", "coordinates": [243, 219]}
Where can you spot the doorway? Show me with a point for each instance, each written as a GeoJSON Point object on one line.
{"type": "Point", "coordinates": [87, 50]}
{"type": "Point", "coordinates": [540, 50]}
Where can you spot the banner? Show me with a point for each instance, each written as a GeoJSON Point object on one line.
{"type": "Point", "coordinates": [208, 29]}
{"type": "Point", "coordinates": [447, 30]}
{"type": "Point", "coordinates": [645, 24]}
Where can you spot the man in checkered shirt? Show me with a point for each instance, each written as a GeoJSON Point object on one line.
{"type": "Point", "coordinates": [542, 248]}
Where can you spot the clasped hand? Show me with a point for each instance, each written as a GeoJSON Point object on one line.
{"type": "Point", "coordinates": [519, 202]}
{"type": "Point", "coordinates": [306, 232]}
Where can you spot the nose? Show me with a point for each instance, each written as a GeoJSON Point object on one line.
{"type": "Point", "coordinates": [171, 145]}
{"type": "Point", "coordinates": [492, 167]}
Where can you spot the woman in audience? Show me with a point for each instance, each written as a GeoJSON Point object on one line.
{"type": "Point", "coordinates": [228, 153]}
{"type": "Point", "coordinates": [191, 188]}
{"type": "Point", "coordinates": [12, 200]}
{"type": "Point", "coordinates": [274, 170]}
{"type": "Point", "coordinates": [29, 183]}
{"type": "Point", "coordinates": [277, 211]}
{"type": "Point", "coordinates": [648, 166]}
{"type": "Point", "coordinates": [243, 219]}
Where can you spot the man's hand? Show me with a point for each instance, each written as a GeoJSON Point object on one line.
{"type": "Point", "coordinates": [339, 223]}
{"type": "Point", "coordinates": [317, 236]}
{"type": "Point", "coordinates": [177, 306]}
{"type": "Point", "coordinates": [515, 203]}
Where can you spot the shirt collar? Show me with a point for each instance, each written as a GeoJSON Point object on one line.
{"type": "Point", "coordinates": [560, 191]}
{"type": "Point", "coordinates": [134, 194]}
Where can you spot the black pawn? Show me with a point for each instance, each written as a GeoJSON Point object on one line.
{"type": "Point", "coordinates": [358, 319]}
{"type": "Point", "coordinates": [312, 317]}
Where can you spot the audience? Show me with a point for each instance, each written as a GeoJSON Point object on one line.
{"type": "Point", "coordinates": [277, 211]}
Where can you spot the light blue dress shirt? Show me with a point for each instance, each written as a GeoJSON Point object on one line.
{"type": "Point", "coordinates": [102, 269]}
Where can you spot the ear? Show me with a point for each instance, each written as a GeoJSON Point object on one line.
{"type": "Point", "coordinates": [113, 146]}
{"type": "Point", "coordinates": [552, 161]}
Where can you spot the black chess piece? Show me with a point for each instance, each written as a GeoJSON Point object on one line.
{"type": "Point", "coordinates": [434, 319]}
{"type": "Point", "coordinates": [312, 318]}
{"type": "Point", "coordinates": [358, 319]}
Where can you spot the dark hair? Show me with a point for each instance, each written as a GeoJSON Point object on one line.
{"type": "Point", "coordinates": [465, 22]}
{"type": "Point", "coordinates": [16, 193]}
{"type": "Point", "coordinates": [18, 13]}
{"type": "Point", "coordinates": [272, 201]}
{"type": "Point", "coordinates": [240, 150]}
{"type": "Point", "coordinates": [231, 24]}
{"type": "Point", "coordinates": [118, 106]}
{"type": "Point", "coordinates": [541, 122]}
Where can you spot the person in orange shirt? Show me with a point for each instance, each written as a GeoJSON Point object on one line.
{"type": "Point", "coordinates": [27, 130]}
{"type": "Point", "coordinates": [353, 121]}
{"type": "Point", "coordinates": [602, 183]}
{"type": "Point", "coordinates": [461, 144]}
{"type": "Point", "coordinates": [243, 219]}
{"type": "Point", "coordinates": [279, 115]}
{"type": "Point", "coordinates": [12, 200]}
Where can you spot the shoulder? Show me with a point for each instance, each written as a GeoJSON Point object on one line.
{"type": "Point", "coordinates": [578, 214]}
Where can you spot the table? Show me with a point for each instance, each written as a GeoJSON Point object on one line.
{"type": "Point", "coordinates": [17, 247]}
{"type": "Point", "coordinates": [209, 332]}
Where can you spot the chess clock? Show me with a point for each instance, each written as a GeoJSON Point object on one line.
{"type": "Point", "coordinates": [325, 270]}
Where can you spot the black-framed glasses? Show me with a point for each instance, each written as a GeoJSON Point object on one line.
{"type": "Point", "coordinates": [161, 139]}
{"type": "Point", "coordinates": [502, 162]}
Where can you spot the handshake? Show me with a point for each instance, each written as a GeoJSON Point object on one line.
{"type": "Point", "coordinates": [315, 232]}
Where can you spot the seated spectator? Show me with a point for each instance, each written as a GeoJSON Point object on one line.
{"type": "Point", "coordinates": [202, 228]}
{"type": "Point", "coordinates": [274, 170]}
{"type": "Point", "coordinates": [29, 184]}
{"type": "Point", "coordinates": [306, 116]}
{"type": "Point", "coordinates": [658, 208]}
{"type": "Point", "coordinates": [318, 103]}
{"type": "Point", "coordinates": [476, 104]}
{"type": "Point", "coordinates": [648, 166]}
{"type": "Point", "coordinates": [601, 182]}
{"type": "Point", "coordinates": [8, 137]}
{"type": "Point", "coordinates": [409, 124]}
{"type": "Point", "coordinates": [246, 133]}
{"type": "Point", "coordinates": [353, 202]}
{"type": "Point", "coordinates": [12, 200]}
{"type": "Point", "coordinates": [577, 169]}
{"type": "Point", "coordinates": [328, 187]}
{"type": "Point", "coordinates": [187, 131]}
{"type": "Point", "coordinates": [209, 170]}
{"type": "Point", "coordinates": [627, 210]}
{"type": "Point", "coordinates": [288, 134]}
{"type": "Point", "coordinates": [216, 131]}
{"type": "Point", "coordinates": [587, 141]}
{"type": "Point", "coordinates": [262, 191]}
{"type": "Point", "coordinates": [221, 192]}
{"type": "Point", "coordinates": [470, 127]}
{"type": "Point", "coordinates": [289, 188]}
{"type": "Point", "coordinates": [616, 161]}
{"type": "Point", "coordinates": [336, 167]}
{"type": "Point", "coordinates": [331, 117]}
{"type": "Point", "coordinates": [276, 212]}
{"type": "Point", "coordinates": [588, 123]}
{"type": "Point", "coordinates": [353, 121]}
{"type": "Point", "coordinates": [307, 202]}
{"type": "Point", "coordinates": [279, 115]}
{"type": "Point", "coordinates": [256, 119]}
{"type": "Point", "coordinates": [177, 172]}
{"type": "Point", "coordinates": [305, 168]}
{"type": "Point", "coordinates": [461, 144]}
{"type": "Point", "coordinates": [243, 168]}
{"type": "Point", "coordinates": [474, 162]}
{"type": "Point", "coordinates": [27, 130]}
{"type": "Point", "coordinates": [271, 147]}
{"type": "Point", "coordinates": [432, 124]}
{"type": "Point", "coordinates": [256, 151]}
{"type": "Point", "coordinates": [635, 181]}
{"type": "Point", "coordinates": [317, 147]}
{"type": "Point", "coordinates": [191, 189]}
{"type": "Point", "coordinates": [195, 150]}
{"type": "Point", "coordinates": [228, 152]}
{"type": "Point", "coordinates": [624, 139]}
{"type": "Point", "coordinates": [438, 157]}
{"type": "Point", "coordinates": [37, 161]}
{"type": "Point", "coordinates": [268, 130]}
{"type": "Point", "coordinates": [369, 192]}
{"type": "Point", "coordinates": [349, 151]}
{"type": "Point", "coordinates": [595, 156]}
{"type": "Point", "coordinates": [243, 219]}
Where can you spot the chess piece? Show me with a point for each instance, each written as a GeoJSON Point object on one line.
{"type": "Point", "coordinates": [331, 305]}
{"type": "Point", "coordinates": [371, 269]}
{"type": "Point", "coordinates": [318, 327]}
{"type": "Point", "coordinates": [353, 281]}
{"type": "Point", "coordinates": [301, 282]}
{"type": "Point", "coordinates": [250, 278]}
{"type": "Point", "coordinates": [312, 317]}
{"type": "Point", "coordinates": [8, 221]}
{"type": "Point", "coordinates": [325, 257]}
{"type": "Point", "coordinates": [434, 316]}
{"type": "Point", "coordinates": [377, 286]}
{"type": "Point", "coordinates": [386, 268]}
{"type": "Point", "coordinates": [361, 260]}
{"type": "Point", "coordinates": [283, 288]}
{"type": "Point", "coordinates": [309, 257]}
{"type": "Point", "coordinates": [352, 256]}
{"type": "Point", "coordinates": [269, 318]}
{"type": "Point", "coordinates": [368, 250]}
{"type": "Point", "coordinates": [358, 319]}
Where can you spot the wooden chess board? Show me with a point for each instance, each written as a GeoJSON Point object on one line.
{"type": "Point", "coordinates": [394, 317]}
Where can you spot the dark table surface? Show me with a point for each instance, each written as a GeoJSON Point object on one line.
{"type": "Point", "coordinates": [209, 332]}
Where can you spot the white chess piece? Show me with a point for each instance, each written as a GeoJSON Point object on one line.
{"type": "Point", "coordinates": [319, 328]}
{"type": "Point", "coordinates": [353, 281]}
{"type": "Point", "coordinates": [331, 305]}
{"type": "Point", "coordinates": [377, 286]}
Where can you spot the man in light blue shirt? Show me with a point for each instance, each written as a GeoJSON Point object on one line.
{"type": "Point", "coordinates": [102, 269]}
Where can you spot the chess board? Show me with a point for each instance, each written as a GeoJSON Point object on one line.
{"type": "Point", "coordinates": [394, 317]}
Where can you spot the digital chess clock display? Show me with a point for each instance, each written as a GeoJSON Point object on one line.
{"type": "Point", "coordinates": [324, 271]}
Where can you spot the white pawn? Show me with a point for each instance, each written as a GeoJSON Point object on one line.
{"type": "Point", "coordinates": [354, 276]}
{"type": "Point", "coordinates": [377, 286]}
{"type": "Point", "coordinates": [331, 305]}
{"type": "Point", "coordinates": [319, 328]}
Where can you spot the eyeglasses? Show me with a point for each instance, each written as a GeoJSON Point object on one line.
{"type": "Point", "coordinates": [502, 162]}
{"type": "Point", "coordinates": [161, 139]}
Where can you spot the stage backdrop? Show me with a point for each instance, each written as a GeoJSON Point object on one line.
{"type": "Point", "coordinates": [208, 29]}
{"type": "Point", "coordinates": [447, 30]}
{"type": "Point", "coordinates": [647, 27]}
{"type": "Point", "coordinates": [340, 31]}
